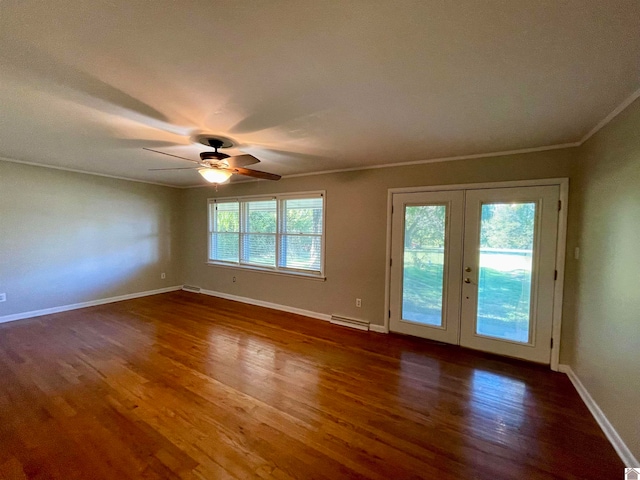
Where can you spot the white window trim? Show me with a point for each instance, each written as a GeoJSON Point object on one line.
{"type": "Point", "coordinates": [292, 272]}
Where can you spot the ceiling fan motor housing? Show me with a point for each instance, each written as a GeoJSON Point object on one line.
{"type": "Point", "coordinates": [216, 143]}
{"type": "Point", "coordinates": [213, 156]}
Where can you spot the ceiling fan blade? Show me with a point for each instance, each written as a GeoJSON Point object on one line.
{"type": "Point", "coordinates": [180, 168]}
{"type": "Point", "coordinates": [241, 160]}
{"type": "Point", "coordinates": [170, 155]}
{"type": "Point", "coordinates": [255, 173]}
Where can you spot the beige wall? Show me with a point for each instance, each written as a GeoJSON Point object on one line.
{"type": "Point", "coordinates": [604, 346]}
{"type": "Point", "coordinates": [356, 229]}
{"type": "Point", "coordinates": [67, 237]}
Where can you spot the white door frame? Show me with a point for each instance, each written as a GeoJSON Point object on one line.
{"type": "Point", "coordinates": [560, 249]}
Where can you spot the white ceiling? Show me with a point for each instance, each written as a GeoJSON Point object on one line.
{"type": "Point", "coordinates": [306, 86]}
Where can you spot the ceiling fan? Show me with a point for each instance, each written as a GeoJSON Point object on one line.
{"type": "Point", "coordinates": [217, 167]}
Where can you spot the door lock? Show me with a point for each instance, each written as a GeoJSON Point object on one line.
{"type": "Point", "coordinates": [468, 269]}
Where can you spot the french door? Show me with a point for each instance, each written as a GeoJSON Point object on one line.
{"type": "Point", "coordinates": [476, 268]}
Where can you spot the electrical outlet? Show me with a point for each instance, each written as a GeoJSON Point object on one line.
{"type": "Point", "coordinates": [234, 279]}
{"type": "Point", "coordinates": [358, 302]}
{"type": "Point", "coordinates": [3, 297]}
{"type": "Point", "coordinates": [163, 276]}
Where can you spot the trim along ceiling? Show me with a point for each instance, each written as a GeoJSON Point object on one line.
{"type": "Point", "coordinates": [307, 86]}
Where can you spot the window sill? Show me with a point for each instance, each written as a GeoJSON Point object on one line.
{"type": "Point", "coordinates": [306, 276]}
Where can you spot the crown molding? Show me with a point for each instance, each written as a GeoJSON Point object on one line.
{"type": "Point", "coordinates": [614, 113]}
{"type": "Point", "coordinates": [85, 172]}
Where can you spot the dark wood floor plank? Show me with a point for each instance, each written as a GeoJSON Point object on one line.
{"type": "Point", "coordinates": [186, 386]}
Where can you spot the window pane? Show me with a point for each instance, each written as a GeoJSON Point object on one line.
{"type": "Point", "coordinates": [249, 232]}
{"type": "Point", "coordinates": [259, 249]}
{"type": "Point", "coordinates": [506, 257]}
{"type": "Point", "coordinates": [303, 215]}
{"type": "Point", "coordinates": [227, 217]}
{"type": "Point", "coordinates": [261, 217]}
{"type": "Point", "coordinates": [423, 268]}
{"type": "Point", "coordinates": [224, 247]}
{"type": "Point", "coordinates": [303, 252]}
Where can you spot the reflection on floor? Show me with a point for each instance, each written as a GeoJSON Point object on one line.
{"type": "Point", "coordinates": [181, 385]}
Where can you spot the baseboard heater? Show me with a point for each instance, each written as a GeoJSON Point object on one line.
{"type": "Point", "coordinates": [191, 288]}
{"type": "Point", "coordinates": [350, 322]}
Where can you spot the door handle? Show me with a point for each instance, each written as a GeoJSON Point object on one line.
{"type": "Point", "coordinates": [467, 280]}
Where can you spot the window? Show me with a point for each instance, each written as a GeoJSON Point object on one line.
{"type": "Point", "coordinates": [282, 233]}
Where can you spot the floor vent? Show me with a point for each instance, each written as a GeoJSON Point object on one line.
{"type": "Point", "coordinates": [191, 288]}
{"type": "Point", "coordinates": [350, 322]}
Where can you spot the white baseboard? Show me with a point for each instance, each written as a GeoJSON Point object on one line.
{"type": "Point", "coordinates": [378, 328]}
{"type": "Point", "coordinates": [92, 303]}
{"type": "Point", "coordinates": [612, 435]}
{"type": "Point", "coordinates": [283, 308]}
{"type": "Point", "coordinates": [261, 303]}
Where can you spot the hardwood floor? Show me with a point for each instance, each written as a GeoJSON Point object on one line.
{"type": "Point", "coordinates": [182, 385]}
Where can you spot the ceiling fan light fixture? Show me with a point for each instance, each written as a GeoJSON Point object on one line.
{"type": "Point", "coordinates": [215, 175]}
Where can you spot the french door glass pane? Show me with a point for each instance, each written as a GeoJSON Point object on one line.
{"type": "Point", "coordinates": [506, 258]}
{"type": "Point", "coordinates": [423, 267]}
